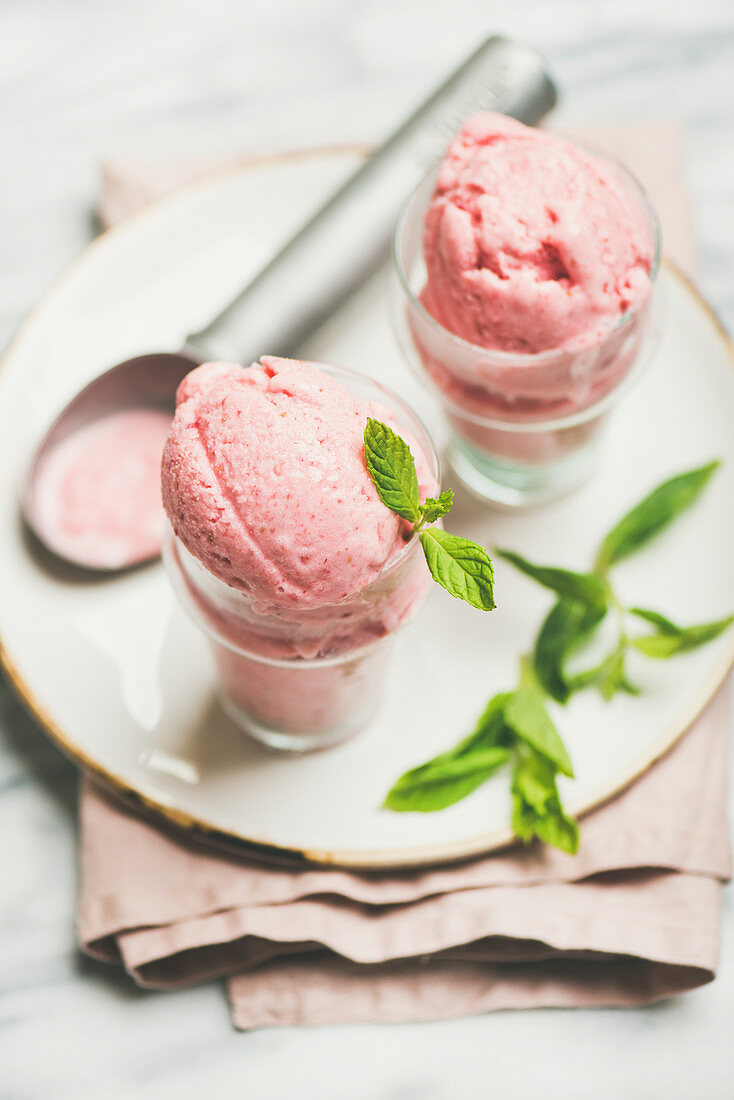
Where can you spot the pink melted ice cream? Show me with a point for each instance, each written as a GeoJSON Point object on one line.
{"type": "Point", "coordinates": [98, 498]}
{"type": "Point", "coordinates": [531, 243]}
{"type": "Point", "coordinates": [285, 550]}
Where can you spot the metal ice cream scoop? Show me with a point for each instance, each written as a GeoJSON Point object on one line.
{"type": "Point", "coordinates": [311, 276]}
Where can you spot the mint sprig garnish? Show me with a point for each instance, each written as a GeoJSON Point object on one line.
{"type": "Point", "coordinates": [459, 565]}
{"type": "Point", "coordinates": [434, 508]}
{"type": "Point", "coordinates": [516, 727]}
{"type": "Point", "coordinates": [392, 469]}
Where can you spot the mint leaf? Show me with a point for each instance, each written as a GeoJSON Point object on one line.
{"type": "Point", "coordinates": [653, 514]}
{"type": "Point", "coordinates": [454, 774]}
{"type": "Point", "coordinates": [614, 677]}
{"type": "Point", "coordinates": [434, 508]}
{"type": "Point", "coordinates": [490, 729]}
{"type": "Point", "coordinates": [596, 675]}
{"type": "Point", "coordinates": [536, 805]}
{"type": "Point", "coordinates": [534, 779]}
{"type": "Point", "coordinates": [392, 469]}
{"type": "Point", "coordinates": [664, 625]}
{"type": "Point", "coordinates": [526, 715]}
{"type": "Point", "coordinates": [558, 830]}
{"type": "Point", "coordinates": [609, 676]}
{"type": "Point", "coordinates": [566, 627]}
{"type": "Point", "coordinates": [587, 587]}
{"type": "Point", "coordinates": [516, 726]}
{"type": "Point", "coordinates": [442, 782]}
{"type": "Point", "coordinates": [670, 638]}
{"type": "Point", "coordinates": [460, 566]}
{"type": "Point", "coordinates": [662, 646]}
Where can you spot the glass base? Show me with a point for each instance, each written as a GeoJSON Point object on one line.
{"type": "Point", "coordinates": [282, 741]}
{"type": "Point", "coordinates": [519, 485]}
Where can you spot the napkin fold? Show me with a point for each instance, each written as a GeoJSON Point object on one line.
{"type": "Point", "coordinates": [633, 918]}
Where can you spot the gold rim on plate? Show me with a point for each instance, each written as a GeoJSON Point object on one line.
{"type": "Point", "coordinates": [261, 847]}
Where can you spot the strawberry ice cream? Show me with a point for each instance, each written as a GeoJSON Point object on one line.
{"type": "Point", "coordinates": [283, 551]}
{"type": "Point", "coordinates": [532, 243]}
{"type": "Point", "coordinates": [264, 481]}
{"type": "Point", "coordinates": [526, 268]}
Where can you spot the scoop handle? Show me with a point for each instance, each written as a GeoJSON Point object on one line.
{"type": "Point", "coordinates": [349, 237]}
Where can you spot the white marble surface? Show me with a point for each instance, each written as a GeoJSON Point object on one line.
{"type": "Point", "coordinates": [81, 79]}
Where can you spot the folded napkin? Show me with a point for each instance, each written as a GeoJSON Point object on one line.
{"type": "Point", "coordinates": [632, 919]}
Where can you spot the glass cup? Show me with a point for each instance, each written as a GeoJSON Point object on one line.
{"type": "Point", "coordinates": [299, 679]}
{"type": "Point", "coordinates": [525, 428]}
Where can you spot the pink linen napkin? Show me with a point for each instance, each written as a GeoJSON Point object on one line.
{"type": "Point", "coordinates": [631, 919]}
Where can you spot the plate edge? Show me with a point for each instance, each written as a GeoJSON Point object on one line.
{"type": "Point", "coordinates": [450, 852]}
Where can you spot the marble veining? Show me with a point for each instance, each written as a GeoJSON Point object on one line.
{"type": "Point", "coordinates": [80, 80]}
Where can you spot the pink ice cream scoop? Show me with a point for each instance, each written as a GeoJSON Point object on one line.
{"type": "Point", "coordinates": [284, 554]}
{"type": "Point", "coordinates": [264, 481]}
{"type": "Point", "coordinates": [532, 243]}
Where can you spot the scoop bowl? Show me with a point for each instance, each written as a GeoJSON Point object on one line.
{"type": "Point", "coordinates": [95, 430]}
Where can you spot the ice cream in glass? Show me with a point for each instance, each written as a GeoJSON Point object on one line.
{"type": "Point", "coordinates": [525, 268]}
{"type": "Point", "coordinates": [281, 550]}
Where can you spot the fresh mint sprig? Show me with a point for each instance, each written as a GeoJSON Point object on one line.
{"type": "Point", "coordinates": [588, 598]}
{"type": "Point", "coordinates": [459, 565]}
{"type": "Point", "coordinates": [516, 728]}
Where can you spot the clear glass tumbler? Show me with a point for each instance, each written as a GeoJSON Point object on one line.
{"type": "Point", "coordinates": [525, 428]}
{"type": "Point", "coordinates": [299, 679]}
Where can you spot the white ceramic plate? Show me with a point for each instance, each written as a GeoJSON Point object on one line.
{"type": "Point", "coordinates": [123, 682]}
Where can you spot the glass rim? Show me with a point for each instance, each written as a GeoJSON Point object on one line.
{"type": "Point", "coordinates": [546, 423]}
{"type": "Point", "coordinates": [551, 355]}
{"type": "Point", "coordinates": [567, 420]}
{"type": "Point", "coordinates": [173, 565]}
